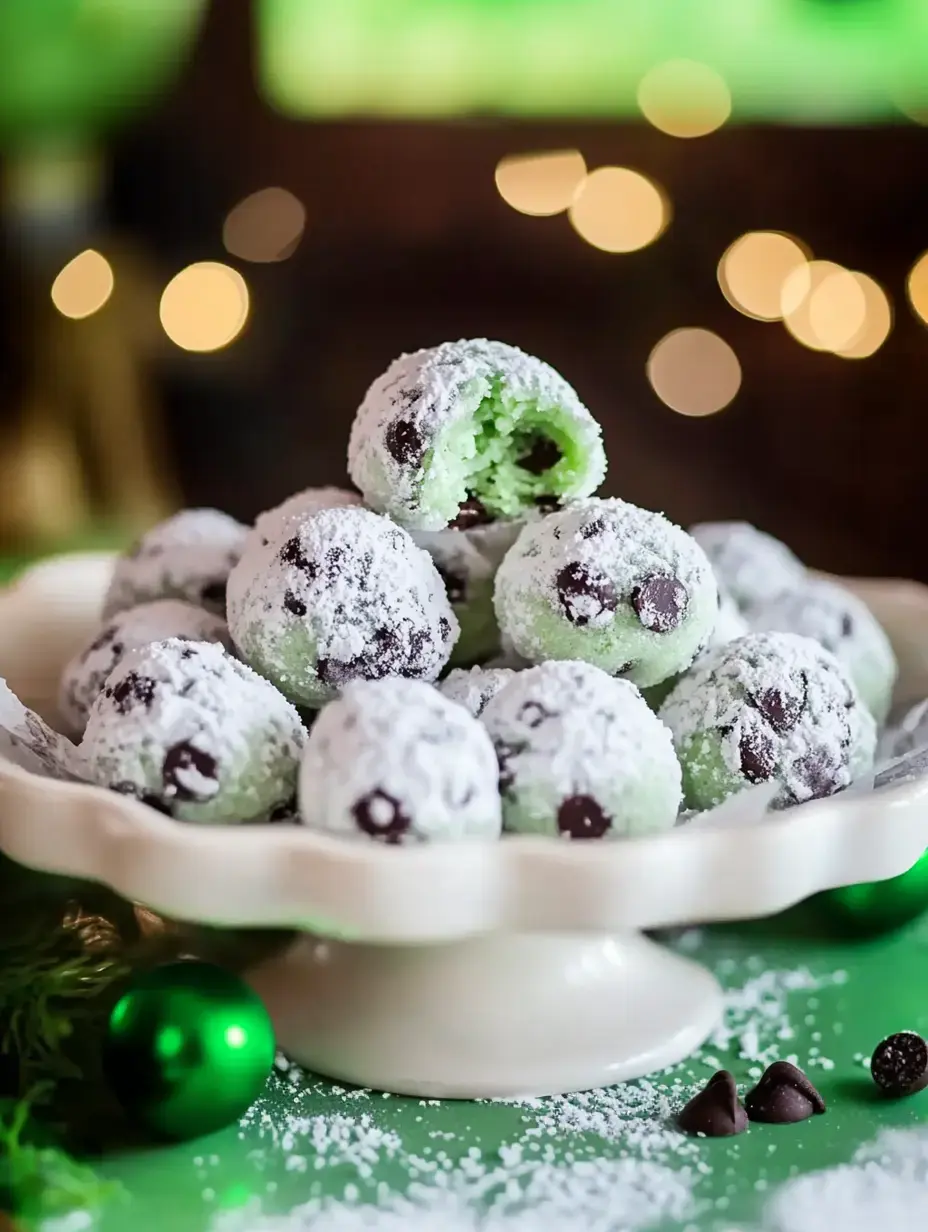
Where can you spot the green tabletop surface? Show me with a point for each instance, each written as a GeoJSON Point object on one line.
{"type": "Point", "coordinates": [311, 1155]}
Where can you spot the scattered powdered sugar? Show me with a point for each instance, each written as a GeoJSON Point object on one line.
{"type": "Point", "coordinates": [775, 705]}
{"type": "Point", "coordinates": [341, 594]}
{"type": "Point", "coordinates": [394, 452]}
{"type": "Point", "coordinates": [85, 675]}
{"type": "Point", "coordinates": [622, 581]}
{"type": "Point", "coordinates": [269, 524]}
{"type": "Point", "coordinates": [581, 755]}
{"type": "Point", "coordinates": [750, 565]}
{"type": "Point", "coordinates": [189, 557]}
{"type": "Point", "coordinates": [473, 688]}
{"type": "Point", "coordinates": [189, 729]}
{"type": "Point", "coordinates": [395, 760]}
{"type": "Point", "coordinates": [885, 1187]}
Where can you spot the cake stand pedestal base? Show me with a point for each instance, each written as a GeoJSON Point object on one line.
{"type": "Point", "coordinates": [504, 1015]}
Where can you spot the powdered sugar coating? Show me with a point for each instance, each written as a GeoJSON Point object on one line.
{"type": "Point", "coordinates": [768, 706]}
{"type": "Point", "coordinates": [749, 564]}
{"type": "Point", "coordinates": [413, 443]}
{"type": "Point", "coordinates": [581, 755]}
{"type": "Point", "coordinates": [186, 557]}
{"type": "Point", "coordinates": [395, 761]}
{"type": "Point", "coordinates": [467, 561]}
{"type": "Point", "coordinates": [341, 595]}
{"type": "Point", "coordinates": [611, 584]}
{"type": "Point", "coordinates": [843, 624]}
{"type": "Point", "coordinates": [269, 523]}
{"type": "Point", "coordinates": [85, 675]}
{"type": "Point", "coordinates": [191, 731]}
{"type": "Point", "coordinates": [475, 688]}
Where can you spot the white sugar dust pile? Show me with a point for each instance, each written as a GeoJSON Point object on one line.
{"type": "Point", "coordinates": [603, 1161]}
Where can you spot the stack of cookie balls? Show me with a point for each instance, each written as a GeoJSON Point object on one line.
{"type": "Point", "coordinates": [471, 642]}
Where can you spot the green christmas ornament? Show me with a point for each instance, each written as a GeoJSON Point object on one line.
{"type": "Point", "coordinates": [880, 906]}
{"type": "Point", "coordinates": [188, 1048]}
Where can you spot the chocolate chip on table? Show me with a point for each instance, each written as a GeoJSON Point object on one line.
{"type": "Point", "coordinates": [404, 442]}
{"type": "Point", "coordinates": [542, 454]}
{"type": "Point", "coordinates": [582, 817]}
{"type": "Point", "coordinates": [584, 593]}
{"type": "Point", "coordinates": [783, 1096]}
{"type": "Point", "coordinates": [660, 603]}
{"type": "Point", "coordinates": [471, 512]}
{"type": "Point", "coordinates": [899, 1065]}
{"type": "Point", "coordinates": [381, 816]}
{"type": "Point", "coordinates": [716, 1111]}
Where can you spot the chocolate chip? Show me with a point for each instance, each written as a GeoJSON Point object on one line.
{"type": "Point", "coordinates": [214, 593]}
{"type": "Point", "coordinates": [455, 586]}
{"type": "Point", "coordinates": [847, 625]}
{"type": "Point", "coordinates": [179, 760]}
{"type": "Point", "coordinates": [132, 690]}
{"type": "Point", "coordinates": [716, 1112]}
{"type": "Point", "coordinates": [818, 772]}
{"type": "Point", "coordinates": [292, 554]}
{"type": "Point", "coordinates": [404, 442]}
{"type": "Point", "coordinates": [505, 752]}
{"type": "Point", "coordinates": [660, 603]}
{"type": "Point", "coordinates": [293, 603]}
{"type": "Point", "coordinates": [471, 512]}
{"type": "Point", "coordinates": [444, 628]}
{"type": "Point", "coordinates": [533, 714]}
{"type": "Point", "coordinates": [146, 797]}
{"type": "Point", "coordinates": [781, 710]}
{"type": "Point", "coordinates": [584, 594]}
{"type": "Point", "coordinates": [542, 454]}
{"type": "Point", "coordinates": [547, 504]}
{"type": "Point", "coordinates": [899, 1065]}
{"type": "Point", "coordinates": [582, 817]}
{"type": "Point", "coordinates": [386, 655]}
{"type": "Point", "coordinates": [783, 1096]}
{"type": "Point", "coordinates": [590, 529]}
{"type": "Point", "coordinates": [381, 816]}
{"type": "Point", "coordinates": [758, 759]}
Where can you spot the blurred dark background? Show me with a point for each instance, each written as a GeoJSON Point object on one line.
{"type": "Point", "coordinates": [407, 242]}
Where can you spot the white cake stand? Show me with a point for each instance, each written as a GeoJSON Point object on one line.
{"type": "Point", "coordinates": [472, 970]}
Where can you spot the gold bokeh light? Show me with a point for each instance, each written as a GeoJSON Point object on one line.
{"type": "Point", "coordinates": [824, 306]}
{"type": "Point", "coordinates": [878, 320]}
{"type": "Point", "coordinates": [753, 269]}
{"type": "Point", "coordinates": [917, 287]}
{"type": "Point", "coordinates": [84, 285]}
{"type": "Point", "coordinates": [541, 184]}
{"type": "Point", "coordinates": [619, 210]}
{"type": "Point", "coordinates": [266, 226]}
{"type": "Point", "coordinates": [205, 306]}
{"type": "Point", "coordinates": [694, 371]}
{"type": "Point", "coordinates": [684, 98]}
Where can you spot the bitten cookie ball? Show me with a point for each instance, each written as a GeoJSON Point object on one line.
{"type": "Point", "coordinates": [472, 427]}
{"type": "Point", "coordinates": [768, 707]}
{"type": "Point", "coordinates": [341, 595]}
{"type": "Point", "coordinates": [393, 760]}
{"type": "Point", "coordinates": [85, 675]}
{"type": "Point", "coordinates": [750, 565]}
{"type": "Point", "coordinates": [189, 730]}
{"type": "Point", "coordinates": [581, 756]}
{"type": "Point", "coordinates": [843, 624]}
{"type": "Point", "coordinates": [610, 584]}
{"type": "Point", "coordinates": [187, 557]}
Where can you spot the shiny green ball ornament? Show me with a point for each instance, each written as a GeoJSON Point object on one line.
{"type": "Point", "coordinates": [880, 906]}
{"type": "Point", "coordinates": [188, 1048]}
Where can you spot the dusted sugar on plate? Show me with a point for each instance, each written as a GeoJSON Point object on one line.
{"type": "Point", "coordinates": [750, 565]}
{"type": "Point", "coordinates": [85, 675]}
{"type": "Point", "coordinates": [467, 560]}
{"type": "Point", "coordinates": [610, 584]}
{"type": "Point", "coordinates": [187, 557]}
{"type": "Point", "coordinates": [844, 625]}
{"type": "Point", "coordinates": [341, 595]}
{"type": "Point", "coordinates": [395, 761]}
{"type": "Point", "coordinates": [186, 728]}
{"type": "Point", "coordinates": [473, 689]}
{"type": "Point", "coordinates": [768, 707]}
{"type": "Point", "coordinates": [472, 426]}
{"type": "Point", "coordinates": [581, 756]}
